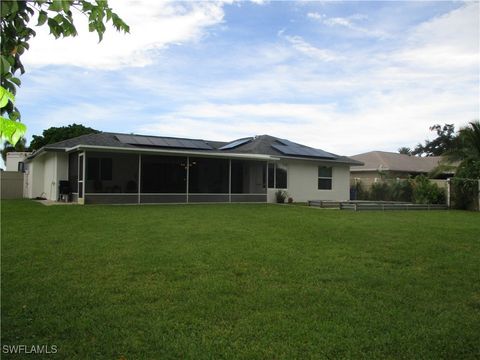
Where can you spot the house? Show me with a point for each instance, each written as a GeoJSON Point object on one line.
{"type": "Point", "coordinates": [12, 179]}
{"type": "Point", "coordinates": [383, 164]}
{"type": "Point", "coordinates": [14, 160]}
{"type": "Point", "coordinates": [111, 168]}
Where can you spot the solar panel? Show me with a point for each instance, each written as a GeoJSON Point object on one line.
{"type": "Point", "coordinates": [289, 148]}
{"type": "Point", "coordinates": [163, 142]}
{"type": "Point", "coordinates": [235, 143]}
{"type": "Point", "coordinates": [126, 139]}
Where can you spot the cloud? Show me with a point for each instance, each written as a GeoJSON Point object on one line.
{"type": "Point", "coordinates": [435, 45]}
{"type": "Point", "coordinates": [308, 49]}
{"type": "Point", "coordinates": [347, 100]}
{"type": "Point", "coordinates": [153, 26]}
{"type": "Point", "coordinates": [349, 22]}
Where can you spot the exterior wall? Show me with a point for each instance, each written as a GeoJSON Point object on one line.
{"type": "Point", "coordinates": [43, 175]}
{"type": "Point", "coordinates": [13, 158]}
{"type": "Point", "coordinates": [302, 181]}
{"type": "Point", "coordinates": [35, 178]}
{"type": "Point", "coordinates": [50, 176]}
{"type": "Point", "coordinates": [11, 185]}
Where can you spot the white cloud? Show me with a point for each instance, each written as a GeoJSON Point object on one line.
{"type": "Point", "coordinates": [349, 22]}
{"type": "Point", "coordinates": [378, 99]}
{"type": "Point", "coordinates": [450, 41]}
{"type": "Point", "coordinates": [153, 26]}
{"type": "Point", "coordinates": [308, 49]}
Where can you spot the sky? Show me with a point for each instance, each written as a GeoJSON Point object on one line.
{"type": "Point", "coordinates": [346, 77]}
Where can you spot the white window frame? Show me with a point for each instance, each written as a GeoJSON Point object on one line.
{"type": "Point", "coordinates": [325, 177]}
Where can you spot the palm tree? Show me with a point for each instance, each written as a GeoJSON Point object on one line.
{"type": "Point", "coordinates": [466, 150]}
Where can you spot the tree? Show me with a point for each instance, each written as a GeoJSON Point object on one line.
{"type": "Point", "coordinates": [466, 150]}
{"type": "Point", "coordinates": [56, 134]}
{"type": "Point", "coordinates": [19, 146]}
{"type": "Point", "coordinates": [15, 36]}
{"type": "Point", "coordinates": [439, 145]}
{"type": "Point", "coordinates": [405, 150]}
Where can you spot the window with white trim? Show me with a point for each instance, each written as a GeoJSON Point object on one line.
{"type": "Point", "coordinates": [324, 178]}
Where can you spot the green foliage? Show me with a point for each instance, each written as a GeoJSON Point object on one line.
{"type": "Point", "coordinates": [16, 32]}
{"type": "Point", "coordinates": [56, 134]}
{"type": "Point", "coordinates": [426, 192]}
{"type": "Point", "coordinates": [280, 196]}
{"type": "Point", "coordinates": [464, 194]}
{"type": "Point", "coordinates": [402, 190]}
{"type": "Point", "coordinates": [8, 147]}
{"type": "Point", "coordinates": [10, 130]}
{"type": "Point", "coordinates": [464, 186]}
{"type": "Point", "coordinates": [438, 146]}
{"type": "Point", "coordinates": [380, 191]}
{"type": "Point", "coordinates": [419, 190]}
{"type": "Point", "coordinates": [405, 150]}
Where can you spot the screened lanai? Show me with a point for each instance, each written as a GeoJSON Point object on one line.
{"type": "Point", "coordinates": [114, 177]}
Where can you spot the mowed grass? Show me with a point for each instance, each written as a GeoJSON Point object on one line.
{"type": "Point", "coordinates": [240, 282]}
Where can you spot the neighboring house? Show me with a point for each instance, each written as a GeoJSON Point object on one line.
{"type": "Point", "coordinates": [15, 159]}
{"type": "Point", "coordinates": [383, 164]}
{"type": "Point", "coordinates": [121, 168]}
{"type": "Point", "coordinates": [12, 180]}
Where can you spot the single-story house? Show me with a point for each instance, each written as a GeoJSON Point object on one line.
{"type": "Point", "coordinates": [14, 160]}
{"type": "Point", "coordinates": [383, 164]}
{"type": "Point", "coordinates": [111, 168]}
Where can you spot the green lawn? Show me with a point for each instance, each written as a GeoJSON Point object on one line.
{"type": "Point", "coordinates": [240, 281]}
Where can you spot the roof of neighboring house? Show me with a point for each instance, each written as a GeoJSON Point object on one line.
{"type": "Point", "coordinates": [390, 161]}
{"type": "Point", "coordinates": [258, 145]}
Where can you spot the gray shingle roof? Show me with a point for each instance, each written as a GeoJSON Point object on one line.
{"type": "Point", "coordinates": [389, 161]}
{"type": "Point", "coordinates": [259, 145]}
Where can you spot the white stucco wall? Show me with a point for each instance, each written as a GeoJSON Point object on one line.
{"type": "Point", "coordinates": [13, 158]}
{"type": "Point", "coordinates": [302, 181]}
{"type": "Point", "coordinates": [44, 173]}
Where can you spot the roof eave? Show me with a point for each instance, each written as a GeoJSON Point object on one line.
{"type": "Point", "coordinates": [173, 152]}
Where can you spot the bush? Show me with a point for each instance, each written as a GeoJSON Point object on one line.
{"type": "Point", "coordinates": [402, 191]}
{"type": "Point", "coordinates": [425, 192]}
{"type": "Point", "coordinates": [419, 190]}
{"type": "Point", "coordinates": [464, 194]}
{"type": "Point", "coordinates": [280, 196]}
{"type": "Point", "coordinates": [464, 186]}
{"type": "Point", "coordinates": [380, 191]}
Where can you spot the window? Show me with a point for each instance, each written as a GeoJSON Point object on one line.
{"type": "Point", "coordinates": [277, 176]}
{"type": "Point", "coordinates": [271, 176]}
{"type": "Point", "coordinates": [281, 177]}
{"type": "Point", "coordinates": [324, 178]}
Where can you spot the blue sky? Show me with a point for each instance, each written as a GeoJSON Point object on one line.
{"type": "Point", "coordinates": [347, 77]}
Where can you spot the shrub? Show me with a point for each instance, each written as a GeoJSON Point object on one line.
{"type": "Point", "coordinates": [280, 196]}
{"type": "Point", "coordinates": [425, 192]}
{"type": "Point", "coordinates": [360, 192]}
{"type": "Point", "coordinates": [402, 191]}
{"type": "Point", "coordinates": [464, 194]}
{"type": "Point", "coordinates": [380, 191]}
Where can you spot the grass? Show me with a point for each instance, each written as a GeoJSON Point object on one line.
{"type": "Point", "coordinates": [240, 281]}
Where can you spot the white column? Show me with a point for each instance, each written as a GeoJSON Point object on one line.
{"type": "Point", "coordinates": [139, 175]}
{"type": "Point", "coordinates": [230, 180]}
{"type": "Point", "coordinates": [188, 176]}
{"type": "Point", "coordinates": [448, 192]}
{"type": "Point", "coordinates": [479, 195]}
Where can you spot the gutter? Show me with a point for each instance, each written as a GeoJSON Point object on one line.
{"type": "Point", "coordinates": [356, 163]}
